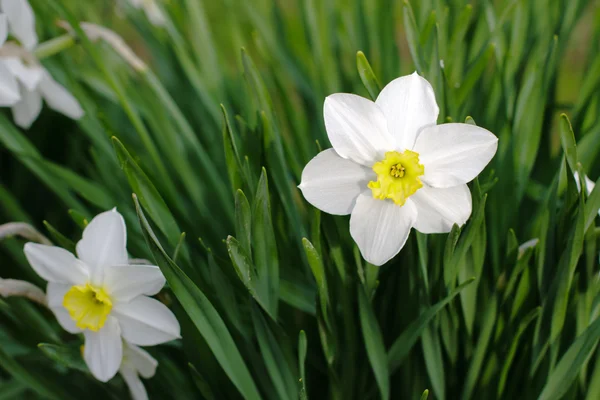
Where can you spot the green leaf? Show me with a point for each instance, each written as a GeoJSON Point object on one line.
{"type": "Point", "coordinates": [476, 365]}
{"type": "Point", "coordinates": [425, 395]}
{"type": "Point", "coordinates": [404, 343]}
{"type": "Point", "coordinates": [567, 139]}
{"type": "Point", "coordinates": [246, 271]}
{"type": "Point", "coordinates": [202, 313]}
{"type": "Point", "coordinates": [31, 378]}
{"type": "Point", "coordinates": [232, 156]}
{"type": "Point", "coordinates": [274, 358]}
{"type": "Point", "coordinates": [302, 347]}
{"type": "Point", "coordinates": [201, 383]}
{"type": "Point", "coordinates": [568, 367]}
{"type": "Point", "coordinates": [70, 357]}
{"type": "Point", "coordinates": [367, 76]}
{"type": "Point", "coordinates": [432, 352]}
{"type": "Point", "coordinates": [60, 239]}
{"type": "Point", "coordinates": [243, 221]}
{"type": "Point", "coordinates": [412, 36]}
{"type": "Point", "coordinates": [147, 194]}
{"type": "Point", "coordinates": [264, 246]}
{"type": "Point", "coordinates": [318, 270]}
{"type": "Point", "coordinates": [374, 344]}
{"type": "Point", "coordinates": [79, 218]}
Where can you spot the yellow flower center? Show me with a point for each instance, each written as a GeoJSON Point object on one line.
{"type": "Point", "coordinates": [397, 176]}
{"type": "Point", "coordinates": [88, 306]}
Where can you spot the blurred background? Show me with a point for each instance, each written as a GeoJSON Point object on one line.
{"type": "Point", "coordinates": [228, 87]}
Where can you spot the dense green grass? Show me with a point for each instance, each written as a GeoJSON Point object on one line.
{"type": "Point", "coordinates": [212, 140]}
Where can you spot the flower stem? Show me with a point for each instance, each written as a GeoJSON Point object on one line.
{"type": "Point", "coordinates": [54, 46]}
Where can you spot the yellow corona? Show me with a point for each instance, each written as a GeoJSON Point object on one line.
{"type": "Point", "coordinates": [88, 306]}
{"type": "Point", "coordinates": [397, 176]}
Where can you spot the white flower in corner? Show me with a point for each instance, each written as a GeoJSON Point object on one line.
{"type": "Point", "coordinates": [100, 295]}
{"type": "Point", "coordinates": [137, 362]}
{"type": "Point", "coordinates": [392, 168]}
{"type": "Point", "coordinates": [36, 84]}
{"type": "Point", "coordinates": [21, 21]}
{"type": "Point", "coordinates": [9, 88]}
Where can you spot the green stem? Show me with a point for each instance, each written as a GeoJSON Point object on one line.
{"type": "Point", "coordinates": [54, 46]}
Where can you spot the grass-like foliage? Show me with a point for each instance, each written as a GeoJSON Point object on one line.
{"type": "Point", "coordinates": [210, 128]}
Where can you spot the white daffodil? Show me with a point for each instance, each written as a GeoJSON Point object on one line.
{"type": "Point", "coordinates": [102, 296]}
{"type": "Point", "coordinates": [152, 10]}
{"type": "Point", "coordinates": [36, 84]}
{"type": "Point", "coordinates": [137, 362]}
{"type": "Point", "coordinates": [21, 21]}
{"type": "Point", "coordinates": [392, 168]}
{"type": "Point", "coordinates": [9, 88]}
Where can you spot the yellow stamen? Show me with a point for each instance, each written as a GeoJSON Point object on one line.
{"type": "Point", "coordinates": [88, 306]}
{"type": "Point", "coordinates": [397, 176]}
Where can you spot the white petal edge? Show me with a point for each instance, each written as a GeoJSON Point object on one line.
{"type": "Point", "coordinates": [146, 322]}
{"type": "Point", "coordinates": [55, 293]}
{"type": "Point", "coordinates": [103, 350]}
{"type": "Point", "coordinates": [3, 28]}
{"type": "Point", "coordinates": [26, 110]}
{"type": "Point", "coordinates": [59, 98]}
{"type": "Point", "coordinates": [126, 282]}
{"type": "Point", "coordinates": [103, 244]}
{"type": "Point", "coordinates": [55, 264]}
{"type": "Point", "coordinates": [137, 390]}
{"type": "Point", "coordinates": [356, 128]}
{"type": "Point", "coordinates": [332, 183]}
{"type": "Point", "coordinates": [439, 209]}
{"type": "Point", "coordinates": [9, 87]}
{"type": "Point", "coordinates": [21, 21]}
{"type": "Point", "coordinates": [408, 104]}
{"type": "Point", "coordinates": [65, 320]}
{"type": "Point", "coordinates": [140, 360]}
{"type": "Point", "coordinates": [29, 76]}
{"type": "Point", "coordinates": [380, 228]}
{"type": "Point", "coordinates": [453, 154]}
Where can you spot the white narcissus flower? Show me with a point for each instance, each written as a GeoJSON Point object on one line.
{"type": "Point", "coordinates": [100, 295]}
{"type": "Point", "coordinates": [137, 362]}
{"type": "Point", "coordinates": [36, 84]}
{"type": "Point", "coordinates": [9, 88]}
{"type": "Point", "coordinates": [392, 168]}
{"type": "Point", "coordinates": [21, 21]}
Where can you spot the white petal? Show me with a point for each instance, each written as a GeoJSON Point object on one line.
{"type": "Point", "coordinates": [453, 154]}
{"type": "Point", "coordinates": [380, 227]}
{"type": "Point", "coordinates": [103, 350]}
{"type": "Point", "coordinates": [3, 28]}
{"type": "Point", "coordinates": [408, 104]}
{"type": "Point", "coordinates": [65, 320]}
{"type": "Point", "coordinates": [55, 293]}
{"type": "Point", "coordinates": [103, 244]}
{"type": "Point", "coordinates": [26, 110]}
{"type": "Point", "coordinates": [55, 264]}
{"type": "Point", "coordinates": [146, 321]}
{"type": "Point", "coordinates": [21, 21]}
{"type": "Point", "coordinates": [140, 360]}
{"type": "Point", "coordinates": [9, 88]}
{"type": "Point", "coordinates": [29, 76]}
{"type": "Point", "coordinates": [357, 128]}
{"type": "Point", "coordinates": [125, 282]}
{"type": "Point", "coordinates": [134, 383]}
{"type": "Point", "coordinates": [332, 183]}
{"type": "Point", "coordinates": [58, 98]}
{"type": "Point", "coordinates": [439, 209]}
